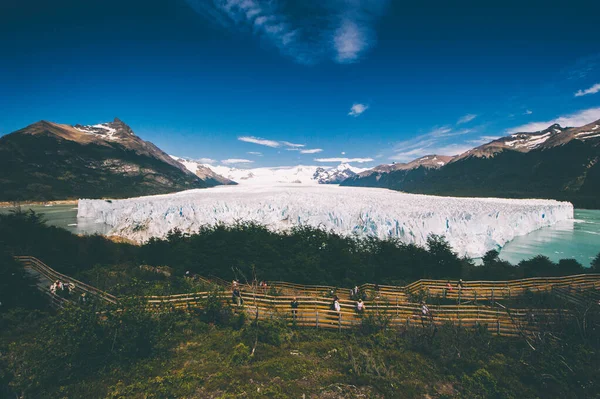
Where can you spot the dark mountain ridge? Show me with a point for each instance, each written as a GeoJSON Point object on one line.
{"type": "Point", "coordinates": [559, 163]}
{"type": "Point", "coordinates": [50, 161]}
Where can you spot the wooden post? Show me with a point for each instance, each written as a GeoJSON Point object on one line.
{"type": "Point", "coordinates": [340, 321]}
{"type": "Point", "coordinates": [492, 296]}
{"type": "Point", "coordinates": [396, 305]}
{"type": "Point", "coordinates": [317, 319]}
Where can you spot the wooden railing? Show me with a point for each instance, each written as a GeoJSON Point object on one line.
{"type": "Point", "coordinates": [315, 311]}
{"type": "Point", "coordinates": [52, 275]}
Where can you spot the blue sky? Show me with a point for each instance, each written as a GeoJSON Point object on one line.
{"type": "Point", "coordinates": [312, 82]}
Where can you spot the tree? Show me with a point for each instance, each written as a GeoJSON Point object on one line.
{"type": "Point", "coordinates": [17, 287]}
{"type": "Point", "coordinates": [595, 266]}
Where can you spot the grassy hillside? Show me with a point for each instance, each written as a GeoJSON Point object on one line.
{"type": "Point", "coordinates": [218, 353]}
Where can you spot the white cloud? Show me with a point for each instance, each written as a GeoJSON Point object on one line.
{"type": "Point", "coordinates": [341, 31]}
{"type": "Point", "coordinates": [233, 161]}
{"type": "Point", "coordinates": [293, 145]}
{"type": "Point", "coordinates": [270, 143]}
{"type": "Point", "coordinates": [344, 160]}
{"type": "Point", "coordinates": [343, 153]}
{"type": "Point", "coordinates": [357, 109]}
{"type": "Point", "coordinates": [592, 90]}
{"type": "Point", "coordinates": [579, 118]}
{"type": "Point", "coordinates": [349, 41]}
{"type": "Point", "coordinates": [527, 112]}
{"type": "Point", "coordinates": [258, 154]}
{"type": "Point", "coordinates": [259, 141]}
{"type": "Point", "coordinates": [207, 160]}
{"type": "Point", "coordinates": [311, 151]}
{"type": "Point", "coordinates": [466, 118]}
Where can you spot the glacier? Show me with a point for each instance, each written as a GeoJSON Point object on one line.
{"type": "Point", "coordinates": [472, 226]}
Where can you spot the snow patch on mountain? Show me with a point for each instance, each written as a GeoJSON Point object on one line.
{"type": "Point", "coordinates": [300, 174]}
{"type": "Point", "coordinates": [102, 129]}
{"type": "Point", "coordinates": [472, 226]}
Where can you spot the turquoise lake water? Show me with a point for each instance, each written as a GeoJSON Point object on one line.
{"type": "Point", "coordinates": [576, 239]}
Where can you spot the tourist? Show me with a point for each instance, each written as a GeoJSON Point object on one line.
{"type": "Point", "coordinates": [360, 306]}
{"type": "Point", "coordinates": [449, 286]}
{"type": "Point", "coordinates": [425, 314]}
{"type": "Point", "coordinates": [460, 284]}
{"type": "Point", "coordinates": [83, 299]}
{"type": "Point", "coordinates": [236, 296]}
{"type": "Point", "coordinates": [336, 305]}
{"type": "Point", "coordinates": [294, 305]}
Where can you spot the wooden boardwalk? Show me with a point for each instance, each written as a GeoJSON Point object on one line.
{"type": "Point", "coordinates": [388, 303]}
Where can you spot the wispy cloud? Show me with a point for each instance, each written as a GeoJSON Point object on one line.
{"type": "Point", "coordinates": [293, 145]}
{"type": "Point", "coordinates": [255, 153]}
{"type": "Point", "coordinates": [337, 30]}
{"type": "Point", "coordinates": [433, 142]}
{"type": "Point", "coordinates": [466, 118]}
{"type": "Point", "coordinates": [357, 109]}
{"type": "Point", "coordinates": [592, 90]}
{"type": "Point", "coordinates": [579, 118]}
{"type": "Point", "coordinates": [233, 161]}
{"type": "Point", "coordinates": [527, 112]}
{"type": "Point", "coordinates": [483, 140]}
{"type": "Point", "coordinates": [269, 143]}
{"type": "Point", "coordinates": [345, 160]}
{"type": "Point", "coordinates": [311, 151]}
{"type": "Point", "coordinates": [259, 141]}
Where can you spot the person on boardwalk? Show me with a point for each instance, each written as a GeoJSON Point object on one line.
{"type": "Point", "coordinates": [336, 308]}
{"type": "Point", "coordinates": [236, 296]}
{"type": "Point", "coordinates": [461, 284]}
{"type": "Point", "coordinates": [425, 313]}
{"type": "Point", "coordinates": [360, 306]}
{"type": "Point", "coordinates": [294, 305]}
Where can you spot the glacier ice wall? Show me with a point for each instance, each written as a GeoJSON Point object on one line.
{"type": "Point", "coordinates": [472, 226]}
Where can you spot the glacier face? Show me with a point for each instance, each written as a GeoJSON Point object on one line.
{"type": "Point", "coordinates": [472, 226]}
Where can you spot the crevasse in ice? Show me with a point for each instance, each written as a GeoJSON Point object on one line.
{"type": "Point", "coordinates": [472, 226]}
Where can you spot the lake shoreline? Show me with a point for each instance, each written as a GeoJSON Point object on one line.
{"type": "Point", "coordinates": [9, 204]}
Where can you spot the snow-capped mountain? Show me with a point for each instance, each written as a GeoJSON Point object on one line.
{"type": "Point", "coordinates": [48, 161]}
{"type": "Point", "coordinates": [203, 171]}
{"type": "Point", "coordinates": [557, 162]}
{"type": "Point", "coordinates": [335, 175]}
{"type": "Point", "coordinates": [300, 174]}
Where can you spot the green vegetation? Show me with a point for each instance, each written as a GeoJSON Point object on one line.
{"type": "Point", "coordinates": [304, 255]}
{"type": "Point", "coordinates": [216, 352]}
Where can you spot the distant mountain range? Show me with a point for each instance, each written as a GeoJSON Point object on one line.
{"type": "Point", "coordinates": [557, 162]}
{"type": "Point", "coordinates": [49, 161]}
{"type": "Point", "coordinates": [299, 174]}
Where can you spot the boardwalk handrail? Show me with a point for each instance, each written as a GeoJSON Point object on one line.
{"type": "Point", "coordinates": [52, 275]}
{"type": "Point", "coordinates": [315, 308]}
